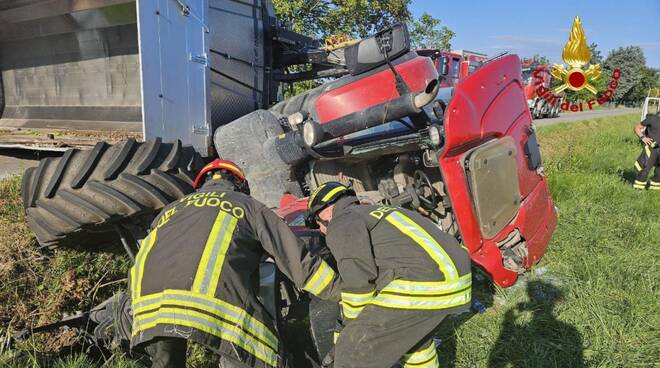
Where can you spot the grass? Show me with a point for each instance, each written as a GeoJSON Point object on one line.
{"type": "Point", "coordinates": [591, 302]}
{"type": "Point", "coordinates": [39, 286]}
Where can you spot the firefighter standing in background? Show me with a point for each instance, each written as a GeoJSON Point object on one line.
{"type": "Point", "coordinates": [196, 275]}
{"type": "Point", "coordinates": [650, 156]}
{"type": "Point", "coordinates": [401, 276]}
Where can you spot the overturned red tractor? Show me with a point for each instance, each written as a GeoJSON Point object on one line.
{"type": "Point", "coordinates": [465, 156]}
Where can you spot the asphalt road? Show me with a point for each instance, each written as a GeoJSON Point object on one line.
{"type": "Point", "coordinates": [15, 161]}
{"type": "Point", "coordinates": [577, 116]}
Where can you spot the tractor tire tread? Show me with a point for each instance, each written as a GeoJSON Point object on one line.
{"type": "Point", "coordinates": [76, 200]}
{"type": "Point", "coordinates": [54, 182]}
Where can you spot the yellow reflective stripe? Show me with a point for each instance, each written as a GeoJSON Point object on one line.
{"type": "Point", "coordinates": [425, 302]}
{"type": "Point", "coordinates": [137, 271]}
{"type": "Point", "coordinates": [638, 166]}
{"type": "Point", "coordinates": [335, 336]}
{"type": "Point", "coordinates": [328, 196]}
{"type": "Point", "coordinates": [314, 194]}
{"type": "Point", "coordinates": [214, 251]}
{"type": "Point", "coordinates": [208, 324]}
{"type": "Point", "coordinates": [320, 279]}
{"type": "Point", "coordinates": [211, 305]}
{"type": "Point", "coordinates": [426, 357]}
{"type": "Point", "coordinates": [428, 287]}
{"type": "Point", "coordinates": [357, 298]}
{"type": "Point", "coordinates": [647, 149]}
{"type": "Point", "coordinates": [351, 311]}
{"type": "Point", "coordinates": [426, 241]}
{"type": "Point", "coordinates": [230, 167]}
{"type": "Point", "coordinates": [217, 267]}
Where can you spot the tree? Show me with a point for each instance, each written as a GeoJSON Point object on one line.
{"type": "Point", "coordinates": [596, 57]}
{"type": "Point", "coordinates": [630, 60]}
{"type": "Point", "coordinates": [426, 33]}
{"type": "Point", "coordinates": [322, 18]}
{"type": "Point", "coordinates": [649, 78]}
{"type": "Point", "coordinates": [356, 18]}
{"type": "Point", "coordinates": [541, 59]}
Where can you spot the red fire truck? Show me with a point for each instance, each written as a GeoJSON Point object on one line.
{"type": "Point", "coordinates": [538, 106]}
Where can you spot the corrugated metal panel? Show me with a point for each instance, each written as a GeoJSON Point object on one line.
{"type": "Point", "coordinates": [66, 62]}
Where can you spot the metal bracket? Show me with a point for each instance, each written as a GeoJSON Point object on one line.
{"type": "Point", "coordinates": [200, 129]}
{"type": "Point", "coordinates": [200, 59]}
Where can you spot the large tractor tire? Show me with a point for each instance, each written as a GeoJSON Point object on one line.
{"type": "Point", "coordinates": [78, 200]}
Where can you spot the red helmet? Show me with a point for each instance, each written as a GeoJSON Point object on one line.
{"type": "Point", "coordinates": [219, 164]}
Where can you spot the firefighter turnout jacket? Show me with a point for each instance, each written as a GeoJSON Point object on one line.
{"type": "Point", "coordinates": [649, 159]}
{"type": "Point", "coordinates": [396, 258]}
{"type": "Point", "coordinates": [401, 277]}
{"type": "Point", "coordinates": [197, 273]}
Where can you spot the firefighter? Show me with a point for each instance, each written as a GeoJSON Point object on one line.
{"type": "Point", "coordinates": [648, 132]}
{"type": "Point", "coordinates": [196, 274]}
{"type": "Point", "coordinates": [401, 276]}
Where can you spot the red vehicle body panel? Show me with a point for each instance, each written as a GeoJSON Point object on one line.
{"type": "Point", "coordinates": [350, 98]}
{"type": "Point", "coordinates": [486, 105]}
{"type": "Point", "coordinates": [490, 104]}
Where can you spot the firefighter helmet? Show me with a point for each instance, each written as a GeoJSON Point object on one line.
{"type": "Point", "coordinates": [323, 196]}
{"type": "Point", "coordinates": [236, 174]}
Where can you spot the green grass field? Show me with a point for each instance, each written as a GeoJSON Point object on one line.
{"type": "Point", "coordinates": [593, 301]}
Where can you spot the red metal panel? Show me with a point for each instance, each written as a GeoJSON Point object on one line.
{"type": "Point", "coordinates": [374, 89]}
{"type": "Point", "coordinates": [490, 104]}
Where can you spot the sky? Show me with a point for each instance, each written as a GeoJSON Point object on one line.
{"type": "Point", "coordinates": [533, 27]}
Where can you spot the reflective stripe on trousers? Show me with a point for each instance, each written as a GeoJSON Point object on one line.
{"type": "Point", "coordinates": [639, 184]}
{"type": "Point", "coordinates": [427, 357]}
{"type": "Point", "coordinates": [353, 303]}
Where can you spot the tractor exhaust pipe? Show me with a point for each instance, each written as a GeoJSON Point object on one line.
{"type": "Point", "coordinates": [408, 104]}
{"type": "Point", "coordinates": [314, 133]}
{"type": "Point", "coordinates": [424, 98]}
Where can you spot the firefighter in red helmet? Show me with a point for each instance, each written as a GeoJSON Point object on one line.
{"type": "Point", "coordinates": [194, 274]}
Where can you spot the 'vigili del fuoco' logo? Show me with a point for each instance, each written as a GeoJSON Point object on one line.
{"type": "Point", "coordinates": [576, 54]}
{"type": "Point", "coordinates": [579, 75]}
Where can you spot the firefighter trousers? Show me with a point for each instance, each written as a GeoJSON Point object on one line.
{"type": "Point", "coordinates": [167, 352]}
{"type": "Point", "coordinates": [170, 352]}
{"type": "Point", "coordinates": [382, 337]}
{"type": "Point", "coordinates": [647, 161]}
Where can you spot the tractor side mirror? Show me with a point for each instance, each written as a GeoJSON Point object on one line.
{"type": "Point", "coordinates": [370, 52]}
{"type": "Point", "coordinates": [444, 66]}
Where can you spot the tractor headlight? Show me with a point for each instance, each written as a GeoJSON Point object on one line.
{"type": "Point", "coordinates": [312, 133]}
{"type": "Point", "coordinates": [435, 136]}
